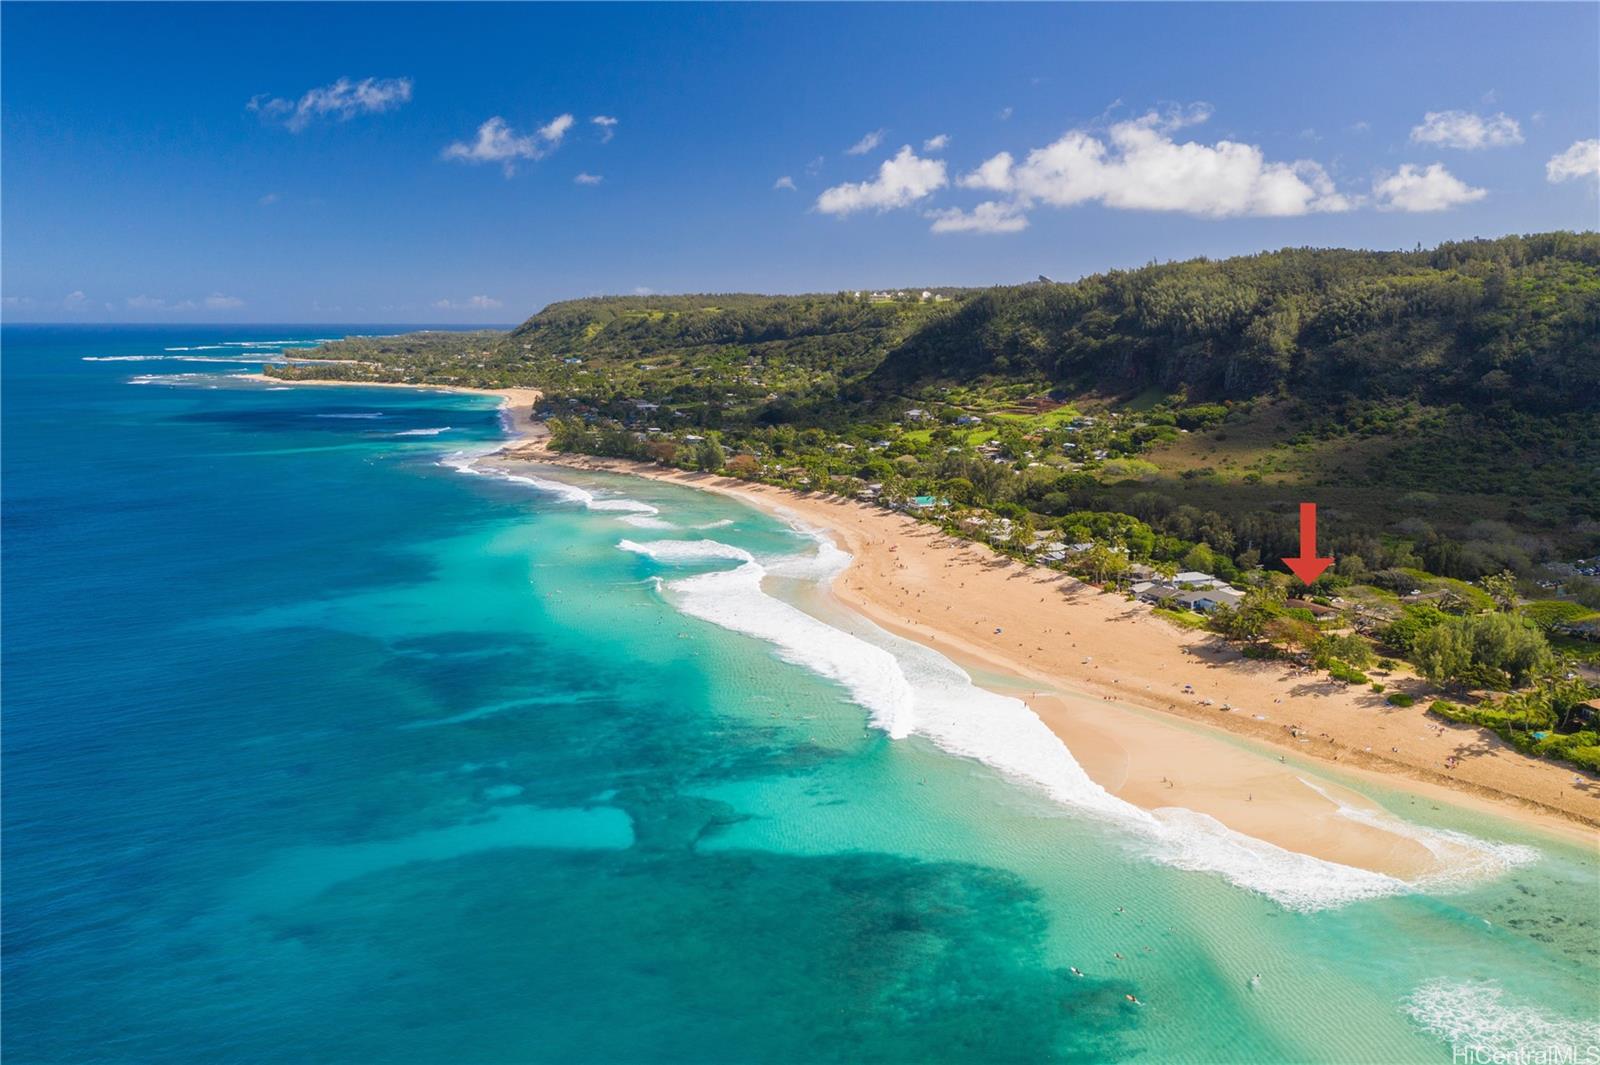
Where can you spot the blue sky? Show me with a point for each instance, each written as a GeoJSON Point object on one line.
{"type": "Point", "coordinates": [418, 163]}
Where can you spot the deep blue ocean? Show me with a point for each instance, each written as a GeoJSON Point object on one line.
{"type": "Point", "coordinates": [322, 745]}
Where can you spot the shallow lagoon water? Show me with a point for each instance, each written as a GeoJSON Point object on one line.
{"type": "Point", "coordinates": [318, 748]}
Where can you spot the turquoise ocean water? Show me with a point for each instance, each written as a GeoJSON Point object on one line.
{"type": "Point", "coordinates": [321, 744]}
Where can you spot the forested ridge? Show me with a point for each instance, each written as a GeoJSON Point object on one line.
{"type": "Point", "coordinates": [1428, 394]}
{"type": "Point", "coordinates": [1515, 320]}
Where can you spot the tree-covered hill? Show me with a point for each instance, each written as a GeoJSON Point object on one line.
{"type": "Point", "coordinates": [1447, 399]}
{"type": "Point", "coordinates": [1515, 320]}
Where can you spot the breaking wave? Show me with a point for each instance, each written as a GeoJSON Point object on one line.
{"type": "Point", "coordinates": [908, 689]}
{"type": "Point", "coordinates": [1479, 1023]}
{"type": "Point", "coordinates": [466, 462]}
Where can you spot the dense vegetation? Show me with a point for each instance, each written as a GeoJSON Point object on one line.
{"type": "Point", "coordinates": [1442, 406]}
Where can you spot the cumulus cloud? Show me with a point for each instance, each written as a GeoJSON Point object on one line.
{"type": "Point", "coordinates": [1140, 166]}
{"type": "Point", "coordinates": [16, 301]}
{"type": "Point", "coordinates": [472, 303]}
{"type": "Point", "coordinates": [219, 302]}
{"type": "Point", "coordinates": [1580, 160]}
{"type": "Point", "coordinates": [1463, 129]}
{"type": "Point", "coordinates": [936, 143]}
{"type": "Point", "coordinates": [608, 127]}
{"type": "Point", "coordinates": [991, 216]}
{"type": "Point", "coordinates": [586, 178]}
{"type": "Point", "coordinates": [785, 182]}
{"type": "Point", "coordinates": [342, 101]}
{"type": "Point", "coordinates": [145, 303]}
{"type": "Point", "coordinates": [901, 181]}
{"type": "Point", "coordinates": [1005, 113]}
{"type": "Point", "coordinates": [75, 301]}
{"type": "Point", "coordinates": [866, 143]}
{"type": "Point", "coordinates": [994, 174]}
{"type": "Point", "coordinates": [1432, 188]}
{"type": "Point", "coordinates": [497, 142]}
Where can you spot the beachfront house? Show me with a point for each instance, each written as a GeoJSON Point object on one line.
{"type": "Point", "coordinates": [1200, 592]}
{"type": "Point", "coordinates": [1207, 600]}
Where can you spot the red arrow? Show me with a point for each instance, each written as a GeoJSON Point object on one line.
{"type": "Point", "coordinates": [1308, 567]}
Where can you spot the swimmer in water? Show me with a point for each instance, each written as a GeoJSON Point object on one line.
{"type": "Point", "coordinates": [1133, 999]}
{"type": "Point", "coordinates": [1076, 971]}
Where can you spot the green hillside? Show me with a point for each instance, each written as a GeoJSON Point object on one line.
{"type": "Point", "coordinates": [1443, 406]}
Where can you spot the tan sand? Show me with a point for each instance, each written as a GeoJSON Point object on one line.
{"type": "Point", "coordinates": [1097, 657]}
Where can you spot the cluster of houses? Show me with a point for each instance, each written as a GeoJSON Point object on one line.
{"type": "Point", "coordinates": [901, 294]}
{"type": "Point", "coordinates": [1192, 590]}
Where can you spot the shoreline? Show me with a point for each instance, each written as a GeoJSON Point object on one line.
{"type": "Point", "coordinates": [1113, 702]}
{"type": "Point", "coordinates": [1120, 653]}
{"type": "Point", "coordinates": [516, 403]}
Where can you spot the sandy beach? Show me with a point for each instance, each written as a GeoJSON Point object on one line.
{"type": "Point", "coordinates": [1111, 679]}
{"type": "Point", "coordinates": [1111, 682]}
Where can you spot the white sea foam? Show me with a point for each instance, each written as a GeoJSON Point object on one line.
{"type": "Point", "coordinates": [646, 521]}
{"type": "Point", "coordinates": [360, 417]}
{"type": "Point", "coordinates": [734, 600]}
{"type": "Point", "coordinates": [466, 462]}
{"type": "Point", "coordinates": [243, 356]}
{"type": "Point", "coordinates": [720, 523]}
{"type": "Point", "coordinates": [424, 432]}
{"type": "Point", "coordinates": [1461, 858]}
{"type": "Point", "coordinates": [911, 689]}
{"type": "Point", "coordinates": [170, 378]}
{"type": "Point", "coordinates": [690, 551]}
{"type": "Point", "coordinates": [1480, 1024]}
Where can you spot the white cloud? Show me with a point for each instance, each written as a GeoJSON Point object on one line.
{"type": "Point", "coordinates": [1463, 129]}
{"type": "Point", "coordinates": [991, 216]}
{"type": "Point", "coordinates": [814, 167]}
{"type": "Point", "coordinates": [643, 290]}
{"type": "Point", "coordinates": [343, 100]}
{"type": "Point", "coordinates": [16, 301]}
{"type": "Point", "coordinates": [145, 303]}
{"type": "Point", "coordinates": [586, 178]}
{"type": "Point", "coordinates": [1580, 160]}
{"type": "Point", "coordinates": [993, 174]}
{"type": "Point", "coordinates": [555, 129]}
{"type": "Point", "coordinates": [75, 301]}
{"type": "Point", "coordinates": [1429, 189]}
{"type": "Point", "coordinates": [866, 143]}
{"type": "Point", "coordinates": [608, 127]}
{"type": "Point", "coordinates": [472, 303]}
{"type": "Point", "coordinates": [1140, 167]}
{"type": "Point", "coordinates": [218, 302]}
{"type": "Point", "coordinates": [936, 143]}
{"type": "Point", "coordinates": [785, 182]}
{"type": "Point", "coordinates": [901, 181]}
{"type": "Point", "coordinates": [499, 143]}
{"type": "Point", "coordinates": [1005, 113]}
